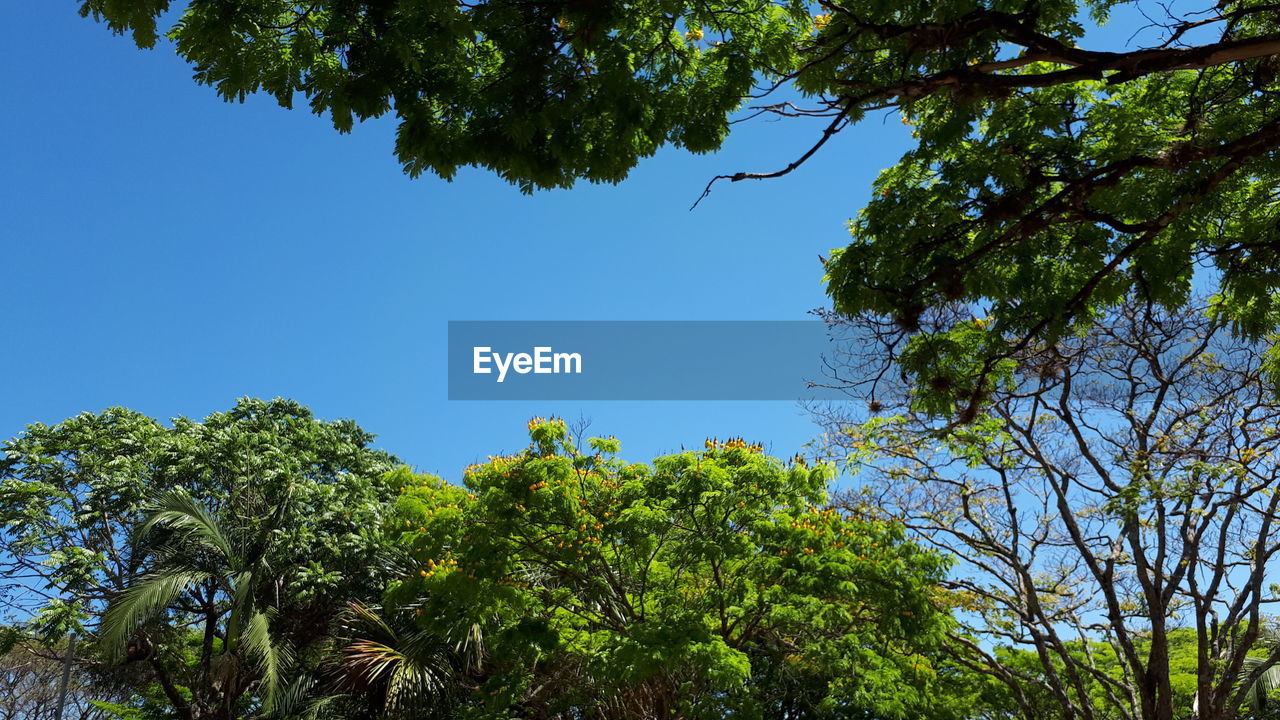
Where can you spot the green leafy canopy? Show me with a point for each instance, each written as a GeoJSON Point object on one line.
{"type": "Point", "coordinates": [715, 582]}
{"type": "Point", "coordinates": [1049, 180]}
{"type": "Point", "coordinates": [212, 557]}
{"type": "Point", "coordinates": [541, 93]}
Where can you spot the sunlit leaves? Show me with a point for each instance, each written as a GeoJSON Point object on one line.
{"type": "Point", "coordinates": [601, 583]}
{"type": "Point", "coordinates": [211, 547]}
{"type": "Point", "coordinates": [542, 94]}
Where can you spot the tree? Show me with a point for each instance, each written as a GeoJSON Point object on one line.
{"type": "Point", "coordinates": [1259, 700]}
{"type": "Point", "coordinates": [401, 670]}
{"type": "Point", "coordinates": [204, 552]}
{"type": "Point", "coordinates": [710, 584]}
{"type": "Point", "coordinates": [541, 93]}
{"type": "Point", "coordinates": [1036, 690]}
{"type": "Point", "coordinates": [221, 579]}
{"type": "Point", "coordinates": [1260, 697]}
{"type": "Point", "coordinates": [30, 681]}
{"type": "Point", "coordinates": [1049, 180]}
{"type": "Point", "coordinates": [1119, 493]}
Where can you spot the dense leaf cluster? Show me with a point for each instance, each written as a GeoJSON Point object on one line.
{"type": "Point", "coordinates": [541, 93]}
{"type": "Point", "coordinates": [263, 563]}
{"type": "Point", "coordinates": [707, 585]}
{"type": "Point", "coordinates": [1053, 175]}
{"type": "Point", "coordinates": [210, 553]}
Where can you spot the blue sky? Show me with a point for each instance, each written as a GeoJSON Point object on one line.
{"type": "Point", "coordinates": [169, 252]}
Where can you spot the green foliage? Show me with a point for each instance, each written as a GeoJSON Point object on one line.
{"type": "Point", "coordinates": [228, 570]}
{"type": "Point", "coordinates": [709, 583]}
{"type": "Point", "coordinates": [542, 94]}
{"type": "Point", "coordinates": [1260, 701]}
{"type": "Point", "coordinates": [1048, 205]}
{"type": "Point", "coordinates": [1102, 656]}
{"type": "Point", "coordinates": [400, 669]}
{"type": "Point", "coordinates": [217, 554]}
{"type": "Point", "coordinates": [68, 496]}
{"type": "Point", "coordinates": [1049, 181]}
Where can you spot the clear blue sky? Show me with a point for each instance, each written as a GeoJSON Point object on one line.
{"type": "Point", "coordinates": [169, 252]}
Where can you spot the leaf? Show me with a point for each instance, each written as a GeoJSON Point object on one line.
{"type": "Point", "coordinates": [142, 601]}
{"type": "Point", "coordinates": [271, 656]}
{"type": "Point", "coordinates": [179, 511]}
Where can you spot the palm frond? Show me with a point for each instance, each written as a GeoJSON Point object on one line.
{"type": "Point", "coordinates": [242, 603]}
{"type": "Point", "coordinates": [146, 598]}
{"type": "Point", "coordinates": [368, 623]}
{"type": "Point", "coordinates": [471, 647]}
{"type": "Point", "coordinates": [424, 679]}
{"type": "Point", "coordinates": [367, 662]}
{"type": "Point", "coordinates": [296, 701]}
{"type": "Point", "coordinates": [179, 511]}
{"type": "Point", "coordinates": [417, 671]}
{"type": "Point", "coordinates": [273, 658]}
{"type": "Point", "coordinates": [412, 670]}
{"type": "Point", "coordinates": [1260, 691]}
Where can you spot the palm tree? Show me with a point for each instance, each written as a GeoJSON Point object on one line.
{"type": "Point", "coordinates": [1259, 699]}
{"type": "Point", "coordinates": [220, 574]}
{"type": "Point", "coordinates": [402, 668]}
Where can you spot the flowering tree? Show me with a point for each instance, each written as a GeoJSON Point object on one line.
{"type": "Point", "coordinates": [711, 582]}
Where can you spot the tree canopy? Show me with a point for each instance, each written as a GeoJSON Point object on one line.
{"type": "Point", "coordinates": [542, 94]}
{"type": "Point", "coordinates": [263, 563]}
{"type": "Point", "coordinates": [208, 560]}
{"type": "Point", "coordinates": [1098, 545]}
{"type": "Point", "coordinates": [1112, 516]}
{"type": "Point", "coordinates": [710, 584]}
{"type": "Point", "coordinates": [1052, 176]}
